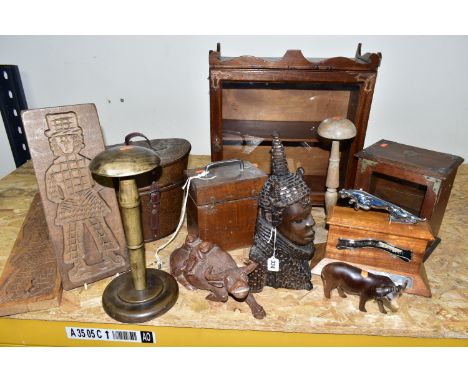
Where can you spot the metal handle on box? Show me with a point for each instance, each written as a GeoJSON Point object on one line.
{"type": "Point", "coordinates": [130, 136]}
{"type": "Point", "coordinates": [225, 163]}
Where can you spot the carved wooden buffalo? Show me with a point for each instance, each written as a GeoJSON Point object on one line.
{"type": "Point", "coordinates": [203, 265]}
{"type": "Point", "coordinates": [352, 280]}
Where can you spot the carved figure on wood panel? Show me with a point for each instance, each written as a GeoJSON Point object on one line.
{"type": "Point", "coordinates": [30, 278]}
{"type": "Point", "coordinates": [34, 271]}
{"type": "Point", "coordinates": [81, 211]}
{"type": "Point", "coordinates": [284, 234]}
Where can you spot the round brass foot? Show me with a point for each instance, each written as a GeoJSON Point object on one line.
{"type": "Point", "coordinates": [124, 303]}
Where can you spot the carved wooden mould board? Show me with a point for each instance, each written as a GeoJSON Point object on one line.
{"type": "Point", "coordinates": [30, 280]}
{"type": "Point", "coordinates": [82, 216]}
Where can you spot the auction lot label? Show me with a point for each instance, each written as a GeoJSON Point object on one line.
{"type": "Point", "coordinates": [104, 334]}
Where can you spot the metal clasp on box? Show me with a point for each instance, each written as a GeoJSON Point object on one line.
{"type": "Point", "coordinates": [154, 201]}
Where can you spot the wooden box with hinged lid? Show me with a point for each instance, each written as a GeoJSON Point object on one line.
{"type": "Point", "coordinates": [222, 206]}
{"type": "Point", "coordinates": [413, 178]}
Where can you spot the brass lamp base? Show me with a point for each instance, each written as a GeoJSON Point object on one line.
{"type": "Point", "coordinates": [124, 303]}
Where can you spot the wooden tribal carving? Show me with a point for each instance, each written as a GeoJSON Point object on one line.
{"type": "Point", "coordinates": [82, 216]}
{"type": "Point", "coordinates": [30, 279]}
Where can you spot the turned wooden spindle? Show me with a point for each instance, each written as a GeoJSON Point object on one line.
{"type": "Point", "coordinates": [335, 129]}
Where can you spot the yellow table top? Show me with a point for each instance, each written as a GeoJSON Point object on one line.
{"type": "Point", "coordinates": [294, 318]}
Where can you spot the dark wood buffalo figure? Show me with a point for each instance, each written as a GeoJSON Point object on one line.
{"type": "Point", "coordinates": [204, 265]}
{"type": "Point", "coordinates": [353, 280]}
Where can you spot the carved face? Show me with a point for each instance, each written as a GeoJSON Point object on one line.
{"type": "Point", "coordinates": [237, 283]}
{"type": "Point", "coordinates": [65, 142]}
{"type": "Point", "coordinates": [298, 224]}
{"type": "Point", "coordinates": [234, 280]}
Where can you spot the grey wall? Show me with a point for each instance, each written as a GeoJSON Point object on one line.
{"type": "Point", "coordinates": [420, 97]}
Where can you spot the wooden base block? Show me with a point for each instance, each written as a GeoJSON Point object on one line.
{"type": "Point", "coordinates": [349, 225]}
{"type": "Point", "coordinates": [30, 280]}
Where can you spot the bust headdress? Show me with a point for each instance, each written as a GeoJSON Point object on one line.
{"type": "Point", "coordinates": [282, 188]}
{"type": "Point", "coordinates": [284, 231]}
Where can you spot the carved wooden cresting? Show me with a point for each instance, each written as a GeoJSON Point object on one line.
{"type": "Point", "coordinates": [82, 215]}
{"type": "Point", "coordinates": [30, 280]}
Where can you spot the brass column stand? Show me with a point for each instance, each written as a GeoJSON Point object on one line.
{"type": "Point", "coordinates": [142, 294]}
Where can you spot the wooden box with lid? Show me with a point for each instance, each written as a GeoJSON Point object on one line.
{"type": "Point", "coordinates": [416, 179]}
{"type": "Point", "coordinates": [252, 97]}
{"type": "Point", "coordinates": [222, 206]}
{"type": "Point", "coordinates": [161, 193]}
{"type": "Point", "coordinates": [389, 239]}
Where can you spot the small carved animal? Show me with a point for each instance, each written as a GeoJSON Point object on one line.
{"type": "Point", "coordinates": [366, 201]}
{"type": "Point", "coordinates": [350, 279]}
{"type": "Point", "coordinates": [203, 265]}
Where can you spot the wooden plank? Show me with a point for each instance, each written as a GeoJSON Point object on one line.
{"type": "Point", "coordinates": [313, 159]}
{"type": "Point", "coordinates": [373, 256]}
{"type": "Point", "coordinates": [378, 222]}
{"type": "Point", "coordinates": [284, 105]}
{"type": "Point", "coordinates": [82, 215]}
{"type": "Point", "coordinates": [30, 280]}
{"type": "Point", "coordinates": [238, 130]}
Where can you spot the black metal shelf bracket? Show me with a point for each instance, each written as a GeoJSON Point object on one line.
{"type": "Point", "coordinates": [12, 102]}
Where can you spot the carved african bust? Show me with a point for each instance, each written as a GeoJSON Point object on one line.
{"type": "Point", "coordinates": [284, 234]}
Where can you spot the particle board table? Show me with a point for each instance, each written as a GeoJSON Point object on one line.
{"type": "Point", "coordinates": [294, 318]}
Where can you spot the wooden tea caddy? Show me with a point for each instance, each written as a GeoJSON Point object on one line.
{"type": "Point", "coordinates": [347, 223]}
{"type": "Point", "coordinates": [222, 207]}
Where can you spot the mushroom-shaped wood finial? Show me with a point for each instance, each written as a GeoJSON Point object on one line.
{"type": "Point", "coordinates": [336, 129]}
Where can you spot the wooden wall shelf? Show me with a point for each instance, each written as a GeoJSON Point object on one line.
{"type": "Point", "coordinates": [252, 97]}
